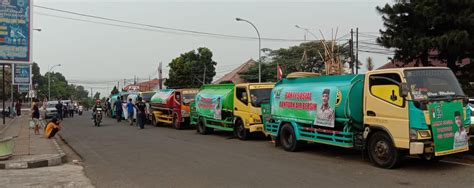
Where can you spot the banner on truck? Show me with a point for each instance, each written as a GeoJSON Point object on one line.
{"type": "Point", "coordinates": [162, 96]}
{"type": "Point", "coordinates": [210, 106]}
{"type": "Point", "coordinates": [15, 22]}
{"type": "Point", "coordinates": [449, 133]}
{"type": "Point", "coordinates": [21, 74]}
{"type": "Point", "coordinates": [308, 105]}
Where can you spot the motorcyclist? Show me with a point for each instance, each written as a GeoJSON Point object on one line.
{"type": "Point", "coordinates": [94, 109]}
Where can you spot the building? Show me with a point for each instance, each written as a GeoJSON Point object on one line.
{"type": "Point", "coordinates": [234, 76]}
{"type": "Point", "coordinates": [144, 86]}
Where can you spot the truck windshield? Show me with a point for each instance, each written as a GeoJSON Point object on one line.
{"type": "Point", "coordinates": [260, 96]}
{"type": "Point", "coordinates": [433, 83]}
{"type": "Point", "coordinates": [188, 97]}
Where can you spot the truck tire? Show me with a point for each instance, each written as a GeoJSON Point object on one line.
{"type": "Point", "coordinates": [176, 124]}
{"type": "Point", "coordinates": [382, 152]}
{"type": "Point", "coordinates": [201, 127]}
{"type": "Point", "coordinates": [240, 131]}
{"type": "Point", "coordinates": [288, 138]}
{"type": "Point", "coordinates": [154, 122]}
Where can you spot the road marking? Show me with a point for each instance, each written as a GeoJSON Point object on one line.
{"type": "Point", "coordinates": [458, 163]}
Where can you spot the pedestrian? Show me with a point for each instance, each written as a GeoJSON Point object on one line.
{"type": "Point", "coordinates": [35, 116]}
{"type": "Point", "coordinates": [118, 109]}
{"type": "Point", "coordinates": [52, 128]}
{"type": "Point", "coordinates": [141, 112]}
{"type": "Point", "coordinates": [130, 108]}
{"type": "Point", "coordinates": [70, 109]}
{"type": "Point", "coordinates": [18, 108]}
{"type": "Point", "coordinates": [59, 110]}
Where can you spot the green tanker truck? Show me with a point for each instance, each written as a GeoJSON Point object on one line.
{"type": "Point", "coordinates": [230, 107]}
{"type": "Point", "coordinates": [387, 113]}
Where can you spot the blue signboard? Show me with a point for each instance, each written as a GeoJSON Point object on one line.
{"type": "Point", "coordinates": [23, 88]}
{"type": "Point", "coordinates": [15, 21]}
{"type": "Point", "coordinates": [21, 74]}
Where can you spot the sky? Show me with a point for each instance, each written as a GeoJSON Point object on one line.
{"type": "Point", "coordinates": [99, 56]}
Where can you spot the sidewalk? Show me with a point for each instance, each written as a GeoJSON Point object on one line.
{"type": "Point", "coordinates": [29, 150]}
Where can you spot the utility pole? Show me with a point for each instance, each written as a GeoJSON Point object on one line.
{"type": "Point", "coordinates": [357, 50]}
{"type": "Point", "coordinates": [351, 46]}
{"type": "Point", "coordinates": [204, 76]}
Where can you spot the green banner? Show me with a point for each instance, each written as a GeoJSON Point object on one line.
{"type": "Point", "coordinates": [312, 105]}
{"type": "Point", "coordinates": [162, 96]}
{"type": "Point", "coordinates": [209, 105]}
{"type": "Point", "coordinates": [449, 134]}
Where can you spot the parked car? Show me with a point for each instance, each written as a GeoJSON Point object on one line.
{"type": "Point", "coordinates": [50, 109]}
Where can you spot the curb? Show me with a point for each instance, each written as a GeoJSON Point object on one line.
{"type": "Point", "coordinates": [55, 160]}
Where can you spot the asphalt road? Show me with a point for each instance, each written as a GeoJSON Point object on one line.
{"type": "Point", "coordinates": [118, 155]}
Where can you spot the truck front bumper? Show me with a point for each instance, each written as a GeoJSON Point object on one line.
{"type": "Point", "coordinates": [256, 128]}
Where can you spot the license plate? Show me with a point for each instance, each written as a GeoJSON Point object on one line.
{"type": "Point", "coordinates": [99, 109]}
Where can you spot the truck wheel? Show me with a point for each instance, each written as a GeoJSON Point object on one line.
{"type": "Point", "coordinates": [382, 152]}
{"type": "Point", "coordinates": [240, 131]}
{"type": "Point", "coordinates": [201, 128]}
{"type": "Point", "coordinates": [288, 138]}
{"type": "Point", "coordinates": [176, 124]}
{"type": "Point", "coordinates": [154, 122]}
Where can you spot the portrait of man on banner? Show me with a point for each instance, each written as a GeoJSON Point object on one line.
{"type": "Point", "coordinates": [325, 114]}
{"type": "Point", "coordinates": [217, 109]}
{"type": "Point", "coordinates": [460, 137]}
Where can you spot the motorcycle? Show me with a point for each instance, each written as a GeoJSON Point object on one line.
{"type": "Point", "coordinates": [98, 117]}
{"type": "Point", "coordinates": [79, 110]}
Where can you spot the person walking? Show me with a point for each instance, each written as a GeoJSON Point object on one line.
{"type": "Point", "coordinates": [59, 110]}
{"type": "Point", "coordinates": [118, 109]}
{"type": "Point", "coordinates": [18, 108]}
{"type": "Point", "coordinates": [35, 116]}
{"type": "Point", "coordinates": [141, 112]}
{"type": "Point", "coordinates": [130, 109]}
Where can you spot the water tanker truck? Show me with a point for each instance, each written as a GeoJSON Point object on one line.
{"type": "Point", "coordinates": [387, 113]}
{"type": "Point", "coordinates": [171, 106]}
{"type": "Point", "coordinates": [230, 107]}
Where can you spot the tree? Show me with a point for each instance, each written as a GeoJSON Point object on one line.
{"type": "Point", "coordinates": [417, 29]}
{"type": "Point", "coordinates": [96, 96]}
{"type": "Point", "coordinates": [370, 64]}
{"type": "Point", "coordinates": [305, 57]}
{"type": "Point", "coordinates": [114, 91]}
{"type": "Point", "coordinates": [189, 68]}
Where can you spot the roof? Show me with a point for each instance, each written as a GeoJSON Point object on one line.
{"type": "Point", "coordinates": [145, 86]}
{"type": "Point", "coordinates": [234, 76]}
{"type": "Point", "coordinates": [408, 68]}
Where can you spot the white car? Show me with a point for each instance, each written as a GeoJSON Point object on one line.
{"type": "Point", "coordinates": [50, 109]}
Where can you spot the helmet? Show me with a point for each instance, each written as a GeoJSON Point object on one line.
{"type": "Point", "coordinates": [97, 101]}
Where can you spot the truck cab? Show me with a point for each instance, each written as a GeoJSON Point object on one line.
{"type": "Point", "coordinates": [422, 111]}
{"type": "Point", "coordinates": [248, 98]}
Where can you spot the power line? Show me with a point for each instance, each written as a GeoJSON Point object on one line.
{"type": "Point", "coordinates": [181, 31]}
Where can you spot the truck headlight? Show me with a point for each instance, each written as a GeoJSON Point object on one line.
{"type": "Point", "coordinates": [424, 134]}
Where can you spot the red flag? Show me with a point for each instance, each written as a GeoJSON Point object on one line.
{"type": "Point", "coordinates": [279, 72]}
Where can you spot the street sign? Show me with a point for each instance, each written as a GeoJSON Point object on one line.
{"type": "Point", "coordinates": [23, 88]}
{"type": "Point", "coordinates": [21, 74]}
{"type": "Point", "coordinates": [15, 22]}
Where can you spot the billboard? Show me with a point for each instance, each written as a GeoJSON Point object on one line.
{"type": "Point", "coordinates": [23, 88]}
{"type": "Point", "coordinates": [15, 22]}
{"type": "Point", "coordinates": [21, 74]}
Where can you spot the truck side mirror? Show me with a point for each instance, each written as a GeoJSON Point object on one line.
{"type": "Point", "coordinates": [404, 89]}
